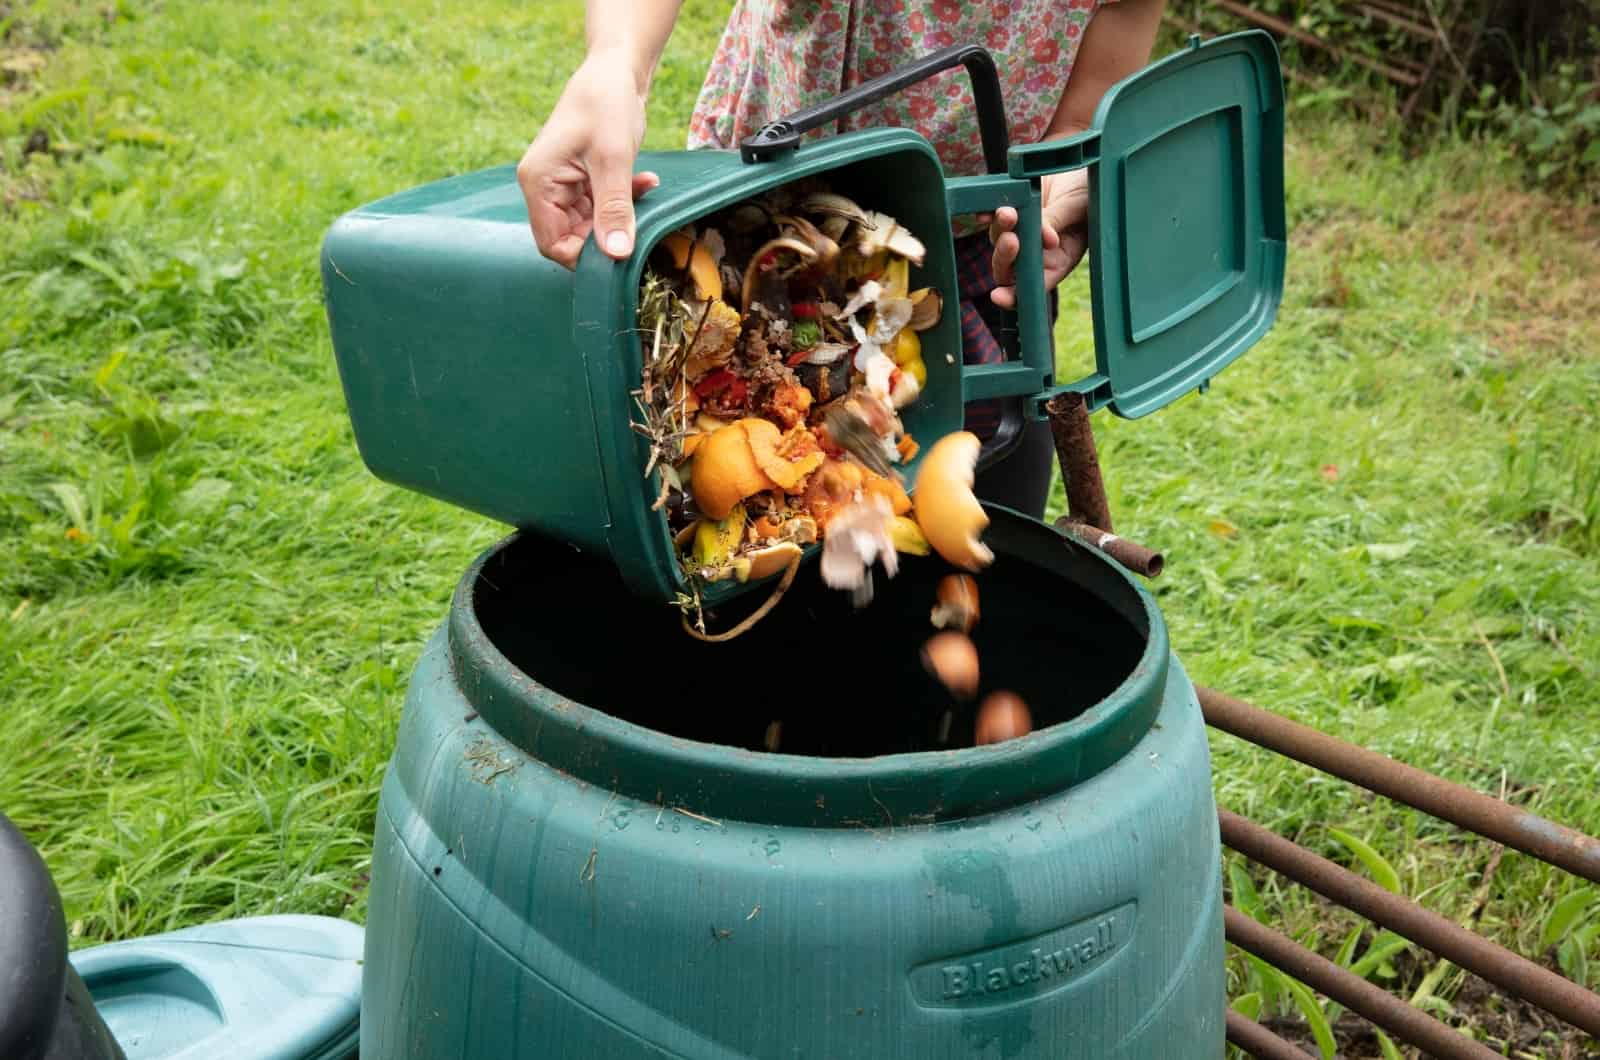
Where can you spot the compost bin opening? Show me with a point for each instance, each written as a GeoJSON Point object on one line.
{"type": "Point", "coordinates": [843, 682]}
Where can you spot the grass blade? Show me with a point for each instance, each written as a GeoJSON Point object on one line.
{"type": "Point", "coordinates": [1321, 1030]}
{"type": "Point", "coordinates": [1385, 946]}
{"type": "Point", "coordinates": [1383, 873]}
{"type": "Point", "coordinates": [1245, 897]}
{"type": "Point", "coordinates": [1564, 916]}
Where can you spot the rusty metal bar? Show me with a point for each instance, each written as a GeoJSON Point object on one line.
{"type": "Point", "coordinates": [1080, 464]}
{"type": "Point", "coordinates": [1130, 554]}
{"type": "Point", "coordinates": [1500, 966]}
{"type": "Point", "coordinates": [1409, 1024]}
{"type": "Point", "coordinates": [1556, 844]}
{"type": "Point", "coordinates": [1259, 1042]}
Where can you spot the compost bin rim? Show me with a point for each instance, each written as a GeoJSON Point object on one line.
{"type": "Point", "coordinates": [731, 783]}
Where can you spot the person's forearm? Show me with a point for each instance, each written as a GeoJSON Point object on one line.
{"type": "Point", "coordinates": [1117, 43]}
{"type": "Point", "coordinates": [635, 31]}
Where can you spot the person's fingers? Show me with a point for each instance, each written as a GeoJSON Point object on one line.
{"type": "Point", "coordinates": [567, 248]}
{"type": "Point", "coordinates": [1006, 249]}
{"type": "Point", "coordinates": [1004, 220]}
{"type": "Point", "coordinates": [611, 187]}
{"type": "Point", "coordinates": [1003, 263]}
{"type": "Point", "coordinates": [549, 200]}
{"type": "Point", "coordinates": [644, 183]}
{"type": "Point", "coordinates": [553, 225]}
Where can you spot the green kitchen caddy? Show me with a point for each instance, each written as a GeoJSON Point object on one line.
{"type": "Point", "coordinates": [480, 373]}
{"type": "Point", "coordinates": [589, 843]}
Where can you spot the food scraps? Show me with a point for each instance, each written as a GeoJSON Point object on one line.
{"type": "Point", "coordinates": [1003, 716]}
{"type": "Point", "coordinates": [781, 343]}
{"type": "Point", "coordinates": [953, 659]}
{"type": "Point", "coordinates": [957, 606]}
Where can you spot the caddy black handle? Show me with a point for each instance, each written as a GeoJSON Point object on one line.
{"type": "Point", "coordinates": [784, 134]}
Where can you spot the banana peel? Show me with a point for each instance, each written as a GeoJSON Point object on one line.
{"type": "Point", "coordinates": [907, 536]}
{"type": "Point", "coordinates": [716, 540]}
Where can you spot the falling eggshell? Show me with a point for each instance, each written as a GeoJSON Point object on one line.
{"type": "Point", "coordinates": [947, 510]}
{"type": "Point", "coordinates": [958, 603]}
{"type": "Point", "coordinates": [1003, 716]}
{"type": "Point", "coordinates": [953, 659]}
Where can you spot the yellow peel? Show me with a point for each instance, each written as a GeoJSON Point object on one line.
{"type": "Point", "coordinates": [947, 510]}
{"type": "Point", "coordinates": [715, 542]}
{"type": "Point", "coordinates": [907, 537]}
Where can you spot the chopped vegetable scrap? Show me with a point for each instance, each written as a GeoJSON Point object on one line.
{"type": "Point", "coordinates": [781, 343]}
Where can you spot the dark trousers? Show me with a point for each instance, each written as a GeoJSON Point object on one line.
{"type": "Point", "coordinates": [1022, 480]}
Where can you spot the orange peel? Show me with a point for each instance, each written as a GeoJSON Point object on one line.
{"type": "Point", "coordinates": [677, 245]}
{"type": "Point", "coordinates": [948, 511]}
{"type": "Point", "coordinates": [707, 280]}
{"type": "Point", "coordinates": [725, 471]}
{"type": "Point", "coordinates": [772, 451]}
{"type": "Point", "coordinates": [889, 490]}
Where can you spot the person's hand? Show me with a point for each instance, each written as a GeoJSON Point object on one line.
{"type": "Point", "coordinates": [1063, 224]}
{"type": "Point", "coordinates": [577, 175]}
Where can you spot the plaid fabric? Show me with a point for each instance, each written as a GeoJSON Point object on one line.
{"type": "Point", "coordinates": [979, 322]}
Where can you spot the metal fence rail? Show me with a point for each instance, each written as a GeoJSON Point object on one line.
{"type": "Point", "coordinates": [1480, 814]}
{"type": "Point", "coordinates": [1088, 519]}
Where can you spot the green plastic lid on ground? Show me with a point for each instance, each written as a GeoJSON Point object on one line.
{"type": "Point", "coordinates": [258, 988]}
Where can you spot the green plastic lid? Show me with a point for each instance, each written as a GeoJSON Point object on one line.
{"type": "Point", "coordinates": [1186, 218]}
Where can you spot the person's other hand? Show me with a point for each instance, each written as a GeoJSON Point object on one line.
{"type": "Point", "coordinates": [577, 175]}
{"type": "Point", "coordinates": [1063, 225]}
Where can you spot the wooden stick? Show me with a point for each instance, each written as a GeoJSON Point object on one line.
{"type": "Point", "coordinates": [1278, 25]}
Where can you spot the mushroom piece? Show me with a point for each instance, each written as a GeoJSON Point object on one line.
{"type": "Point", "coordinates": [859, 536]}
{"type": "Point", "coordinates": [886, 234]}
{"type": "Point", "coordinates": [926, 306]}
{"type": "Point", "coordinates": [837, 206]}
{"type": "Point", "coordinates": [833, 226]}
{"type": "Point", "coordinates": [908, 246]}
{"type": "Point", "coordinates": [826, 249]}
{"type": "Point", "coordinates": [771, 248]}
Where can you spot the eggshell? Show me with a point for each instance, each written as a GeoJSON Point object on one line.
{"type": "Point", "coordinates": [958, 603]}
{"type": "Point", "coordinates": [953, 659]}
{"type": "Point", "coordinates": [1003, 716]}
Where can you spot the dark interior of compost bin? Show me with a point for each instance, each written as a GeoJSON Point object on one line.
{"type": "Point", "coordinates": [843, 682]}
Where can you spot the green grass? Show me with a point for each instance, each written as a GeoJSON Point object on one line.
{"type": "Point", "coordinates": [209, 609]}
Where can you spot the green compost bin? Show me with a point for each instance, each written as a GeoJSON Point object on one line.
{"type": "Point", "coordinates": [478, 372]}
{"type": "Point", "coordinates": [583, 848]}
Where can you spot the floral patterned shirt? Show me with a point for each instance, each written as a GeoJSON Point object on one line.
{"type": "Point", "coordinates": [778, 56]}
